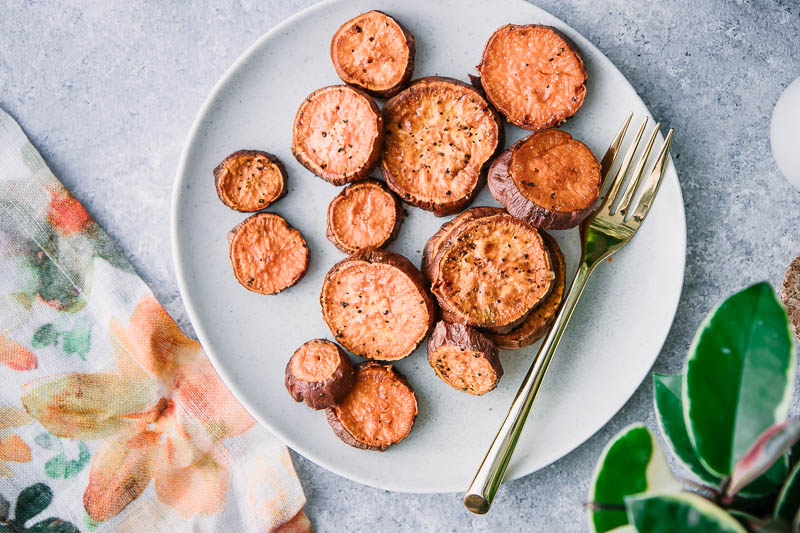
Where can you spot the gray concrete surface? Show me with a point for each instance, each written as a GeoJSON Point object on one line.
{"type": "Point", "coordinates": [107, 90]}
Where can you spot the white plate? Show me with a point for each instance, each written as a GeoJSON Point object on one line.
{"type": "Point", "coordinates": [249, 337]}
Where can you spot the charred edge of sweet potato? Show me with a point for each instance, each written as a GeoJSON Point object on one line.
{"type": "Point", "coordinates": [535, 326]}
{"type": "Point", "coordinates": [334, 178]}
{"type": "Point", "coordinates": [330, 232]}
{"type": "Point", "coordinates": [457, 204]}
{"type": "Point", "coordinates": [571, 46]}
{"type": "Point", "coordinates": [251, 153]}
{"type": "Point", "coordinates": [340, 431]}
{"type": "Point", "coordinates": [411, 43]}
{"type": "Point", "coordinates": [790, 294]}
{"type": "Point", "coordinates": [465, 338]}
{"type": "Point", "coordinates": [322, 394]}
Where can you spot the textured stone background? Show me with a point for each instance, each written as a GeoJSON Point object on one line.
{"type": "Point", "coordinates": [107, 91]}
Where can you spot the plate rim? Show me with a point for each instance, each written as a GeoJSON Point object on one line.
{"type": "Point", "coordinates": [187, 299]}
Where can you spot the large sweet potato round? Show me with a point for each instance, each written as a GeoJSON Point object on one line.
{"type": "Point", "coordinates": [548, 178]}
{"type": "Point", "coordinates": [379, 411]}
{"type": "Point", "coordinates": [250, 180]}
{"type": "Point", "coordinates": [319, 373]}
{"type": "Point", "coordinates": [374, 52]}
{"type": "Point", "coordinates": [464, 358]}
{"type": "Point", "coordinates": [338, 133]}
{"type": "Point", "coordinates": [492, 272]}
{"type": "Point", "coordinates": [365, 214]}
{"type": "Point", "coordinates": [376, 305]}
{"type": "Point", "coordinates": [267, 254]}
{"type": "Point", "coordinates": [533, 75]}
{"type": "Point", "coordinates": [440, 133]}
{"type": "Point", "coordinates": [542, 316]}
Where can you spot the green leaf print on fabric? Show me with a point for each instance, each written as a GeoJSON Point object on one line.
{"type": "Point", "coordinates": [30, 502]}
{"type": "Point", "coordinates": [78, 340]}
{"type": "Point", "coordinates": [44, 336]}
{"type": "Point", "coordinates": [59, 467]}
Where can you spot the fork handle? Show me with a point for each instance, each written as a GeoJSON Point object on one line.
{"type": "Point", "coordinates": [487, 480]}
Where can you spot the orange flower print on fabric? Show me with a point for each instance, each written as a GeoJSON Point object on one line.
{"type": "Point", "coordinates": [15, 356]}
{"type": "Point", "coordinates": [164, 414]}
{"type": "Point", "coordinates": [66, 213]}
{"type": "Point", "coordinates": [12, 448]}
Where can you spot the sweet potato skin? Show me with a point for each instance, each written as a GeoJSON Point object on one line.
{"type": "Point", "coordinates": [542, 316]}
{"type": "Point", "coordinates": [399, 215]}
{"type": "Point", "coordinates": [505, 191]}
{"type": "Point", "coordinates": [458, 202]}
{"type": "Point", "coordinates": [790, 294]}
{"type": "Point", "coordinates": [374, 149]}
{"type": "Point", "coordinates": [526, 121]}
{"type": "Point", "coordinates": [407, 73]}
{"type": "Point", "coordinates": [465, 338]}
{"type": "Point", "coordinates": [345, 436]}
{"type": "Point", "coordinates": [322, 395]}
{"type": "Point", "coordinates": [218, 175]}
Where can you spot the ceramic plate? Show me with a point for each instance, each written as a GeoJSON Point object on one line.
{"type": "Point", "coordinates": [616, 332]}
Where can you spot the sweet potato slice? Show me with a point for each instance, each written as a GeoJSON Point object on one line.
{"type": "Point", "coordinates": [338, 133]}
{"type": "Point", "coordinates": [365, 214]}
{"type": "Point", "coordinates": [539, 319]}
{"type": "Point", "coordinates": [533, 75]}
{"type": "Point", "coordinates": [492, 272]}
{"type": "Point", "coordinates": [250, 180]}
{"type": "Point", "coordinates": [428, 266]}
{"type": "Point", "coordinates": [440, 133]}
{"type": "Point", "coordinates": [319, 373]}
{"type": "Point", "coordinates": [549, 179]}
{"type": "Point", "coordinates": [790, 294]}
{"type": "Point", "coordinates": [376, 306]}
{"type": "Point", "coordinates": [374, 52]}
{"type": "Point", "coordinates": [267, 254]}
{"type": "Point", "coordinates": [379, 411]}
{"type": "Point", "coordinates": [464, 358]}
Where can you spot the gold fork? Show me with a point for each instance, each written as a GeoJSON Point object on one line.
{"type": "Point", "coordinates": [607, 230]}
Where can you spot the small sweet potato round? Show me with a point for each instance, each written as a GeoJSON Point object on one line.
{"type": "Point", "coordinates": [440, 133]}
{"type": "Point", "coordinates": [492, 272]}
{"type": "Point", "coordinates": [376, 305]}
{"type": "Point", "coordinates": [790, 294]}
{"type": "Point", "coordinates": [250, 180]}
{"type": "Point", "coordinates": [374, 52]}
{"type": "Point", "coordinates": [338, 133]}
{"type": "Point", "coordinates": [267, 254]}
{"type": "Point", "coordinates": [464, 358]}
{"type": "Point", "coordinates": [319, 373]}
{"type": "Point", "coordinates": [379, 410]}
{"type": "Point", "coordinates": [542, 316]}
{"type": "Point", "coordinates": [365, 214]}
{"type": "Point", "coordinates": [533, 75]}
{"type": "Point", "coordinates": [548, 178]}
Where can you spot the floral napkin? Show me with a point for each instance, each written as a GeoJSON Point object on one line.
{"type": "Point", "coordinates": [111, 419]}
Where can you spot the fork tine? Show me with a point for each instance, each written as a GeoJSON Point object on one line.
{"type": "Point", "coordinates": [654, 181]}
{"type": "Point", "coordinates": [638, 172]}
{"type": "Point", "coordinates": [623, 170]}
{"type": "Point", "coordinates": [611, 154]}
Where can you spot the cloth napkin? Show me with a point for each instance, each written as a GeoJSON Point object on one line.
{"type": "Point", "coordinates": [111, 419]}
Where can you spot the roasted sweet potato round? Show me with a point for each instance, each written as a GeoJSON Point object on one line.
{"type": "Point", "coordinates": [790, 294]}
{"type": "Point", "coordinates": [376, 305]}
{"type": "Point", "coordinates": [374, 52]}
{"type": "Point", "coordinates": [433, 244]}
{"type": "Point", "coordinates": [549, 179]}
{"type": "Point", "coordinates": [267, 254]}
{"type": "Point", "coordinates": [440, 133]}
{"type": "Point", "coordinates": [492, 272]}
{"type": "Point", "coordinates": [319, 373]}
{"type": "Point", "coordinates": [365, 214]}
{"type": "Point", "coordinates": [338, 133]}
{"type": "Point", "coordinates": [533, 75]}
{"type": "Point", "coordinates": [464, 358]}
{"type": "Point", "coordinates": [250, 180]}
{"type": "Point", "coordinates": [379, 411]}
{"type": "Point", "coordinates": [539, 319]}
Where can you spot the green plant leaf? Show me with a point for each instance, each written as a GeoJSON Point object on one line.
{"type": "Point", "coordinates": [32, 501]}
{"type": "Point", "coordinates": [79, 339]}
{"type": "Point", "coordinates": [669, 413]}
{"type": "Point", "coordinates": [632, 463]}
{"type": "Point", "coordinates": [44, 336]}
{"type": "Point", "coordinates": [770, 446]}
{"type": "Point", "coordinates": [739, 376]}
{"type": "Point", "coordinates": [683, 512]}
{"type": "Point", "coordinates": [769, 482]}
{"type": "Point", "coordinates": [53, 525]}
{"type": "Point", "coordinates": [788, 503]}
